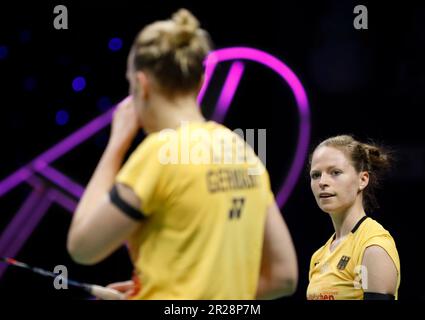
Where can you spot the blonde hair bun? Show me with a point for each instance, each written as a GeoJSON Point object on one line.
{"type": "Point", "coordinates": [186, 27]}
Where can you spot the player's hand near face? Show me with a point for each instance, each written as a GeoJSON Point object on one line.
{"type": "Point", "coordinates": [95, 210]}
{"type": "Point", "coordinates": [125, 125]}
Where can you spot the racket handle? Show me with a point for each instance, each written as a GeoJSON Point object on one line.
{"type": "Point", "coordinates": [106, 293]}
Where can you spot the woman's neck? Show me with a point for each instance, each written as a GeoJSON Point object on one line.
{"type": "Point", "coordinates": [344, 222]}
{"type": "Point", "coordinates": [171, 114]}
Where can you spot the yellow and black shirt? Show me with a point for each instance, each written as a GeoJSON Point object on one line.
{"type": "Point", "coordinates": [338, 275]}
{"type": "Point", "coordinates": [203, 230]}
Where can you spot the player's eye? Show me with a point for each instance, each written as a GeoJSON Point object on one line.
{"type": "Point", "coordinates": [315, 175]}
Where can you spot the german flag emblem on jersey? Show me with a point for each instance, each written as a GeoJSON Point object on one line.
{"type": "Point", "coordinates": [343, 262]}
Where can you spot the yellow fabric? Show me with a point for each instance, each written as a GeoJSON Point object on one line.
{"type": "Point", "coordinates": [327, 282]}
{"type": "Point", "coordinates": [188, 247]}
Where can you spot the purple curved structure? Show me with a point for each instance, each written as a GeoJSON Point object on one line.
{"type": "Point", "coordinates": [51, 186]}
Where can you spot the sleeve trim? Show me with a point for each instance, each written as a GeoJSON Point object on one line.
{"type": "Point", "coordinates": [377, 296]}
{"type": "Point", "coordinates": [124, 206]}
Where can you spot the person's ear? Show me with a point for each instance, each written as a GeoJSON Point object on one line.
{"type": "Point", "coordinates": [364, 180]}
{"type": "Point", "coordinates": [143, 83]}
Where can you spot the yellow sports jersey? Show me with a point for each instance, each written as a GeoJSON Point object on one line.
{"type": "Point", "coordinates": [339, 275]}
{"type": "Point", "coordinates": [203, 230]}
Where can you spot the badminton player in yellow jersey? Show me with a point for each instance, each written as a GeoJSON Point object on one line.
{"type": "Point", "coordinates": [195, 229]}
{"type": "Point", "coordinates": [360, 261]}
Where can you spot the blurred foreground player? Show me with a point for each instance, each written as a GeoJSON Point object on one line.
{"type": "Point", "coordinates": [196, 229]}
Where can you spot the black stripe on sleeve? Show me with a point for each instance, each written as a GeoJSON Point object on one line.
{"type": "Point", "coordinates": [124, 206]}
{"type": "Point", "coordinates": [377, 296]}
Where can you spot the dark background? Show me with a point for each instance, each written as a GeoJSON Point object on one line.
{"type": "Point", "coordinates": [369, 83]}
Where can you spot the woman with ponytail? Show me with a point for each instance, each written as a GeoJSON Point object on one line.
{"type": "Point", "coordinates": [360, 260]}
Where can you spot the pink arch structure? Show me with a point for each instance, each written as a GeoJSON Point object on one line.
{"type": "Point", "coordinates": [50, 186]}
